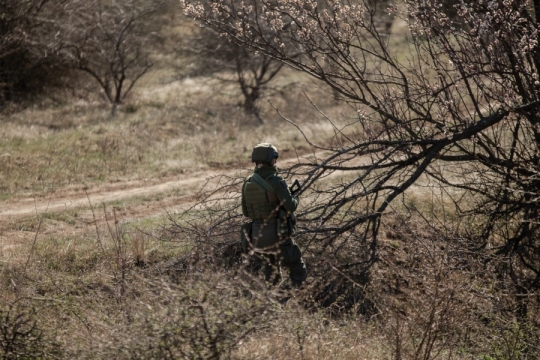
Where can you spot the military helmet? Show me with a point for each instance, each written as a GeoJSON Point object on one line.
{"type": "Point", "coordinates": [264, 152]}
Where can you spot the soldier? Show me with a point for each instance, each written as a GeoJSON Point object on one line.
{"type": "Point", "coordinates": [267, 200]}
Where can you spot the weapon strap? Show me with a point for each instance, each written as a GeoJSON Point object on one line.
{"type": "Point", "coordinates": [259, 180]}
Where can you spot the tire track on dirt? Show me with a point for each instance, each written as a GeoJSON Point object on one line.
{"type": "Point", "coordinates": [56, 202]}
{"type": "Point", "coordinates": [59, 201]}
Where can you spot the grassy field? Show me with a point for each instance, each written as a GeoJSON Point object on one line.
{"type": "Point", "coordinates": [76, 280]}
{"type": "Point", "coordinates": [110, 277]}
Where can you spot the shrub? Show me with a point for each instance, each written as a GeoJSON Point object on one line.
{"type": "Point", "coordinates": [21, 336]}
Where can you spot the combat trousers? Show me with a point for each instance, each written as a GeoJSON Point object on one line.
{"type": "Point", "coordinates": [273, 254]}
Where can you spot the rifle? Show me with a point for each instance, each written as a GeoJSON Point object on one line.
{"type": "Point", "coordinates": [296, 187]}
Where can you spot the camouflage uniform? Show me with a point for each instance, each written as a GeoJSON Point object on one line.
{"type": "Point", "coordinates": [272, 248]}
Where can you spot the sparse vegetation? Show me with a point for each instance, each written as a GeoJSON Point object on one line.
{"type": "Point", "coordinates": [128, 246]}
{"type": "Point", "coordinates": [29, 63]}
{"type": "Point", "coordinates": [217, 56]}
{"type": "Point", "coordinates": [110, 42]}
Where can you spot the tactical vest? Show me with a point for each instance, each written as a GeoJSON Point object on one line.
{"type": "Point", "coordinates": [259, 203]}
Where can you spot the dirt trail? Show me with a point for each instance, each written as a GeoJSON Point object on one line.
{"type": "Point", "coordinates": [64, 199]}
{"type": "Point", "coordinates": [70, 198]}
{"type": "Point", "coordinates": [19, 218]}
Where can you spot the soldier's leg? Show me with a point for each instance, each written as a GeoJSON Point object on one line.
{"type": "Point", "coordinates": [291, 257]}
{"type": "Point", "coordinates": [271, 269]}
{"type": "Point", "coordinates": [265, 242]}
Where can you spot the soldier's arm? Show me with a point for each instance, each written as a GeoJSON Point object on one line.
{"type": "Point", "coordinates": [244, 207]}
{"type": "Point", "coordinates": [289, 202]}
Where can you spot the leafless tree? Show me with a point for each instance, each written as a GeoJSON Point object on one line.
{"type": "Point", "coordinates": [460, 110]}
{"type": "Point", "coordinates": [109, 41]}
{"type": "Point", "coordinates": [28, 58]}
{"type": "Point", "coordinates": [218, 56]}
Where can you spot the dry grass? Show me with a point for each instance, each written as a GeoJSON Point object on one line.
{"type": "Point", "coordinates": [97, 286]}
{"type": "Point", "coordinates": [120, 287]}
{"type": "Point", "coordinates": [45, 149]}
{"type": "Point", "coordinates": [92, 289]}
{"type": "Point", "coordinates": [297, 334]}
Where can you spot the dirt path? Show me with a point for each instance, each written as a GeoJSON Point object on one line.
{"type": "Point", "coordinates": [183, 188]}
{"type": "Point", "coordinates": [77, 196]}
{"type": "Point", "coordinates": [20, 224]}
{"type": "Point", "coordinates": [70, 198]}
{"type": "Point", "coordinates": [61, 201]}
{"type": "Point", "coordinates": [67, 211]}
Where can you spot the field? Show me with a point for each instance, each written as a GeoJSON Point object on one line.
{"type": "Point", "coordinates": [105, 250]}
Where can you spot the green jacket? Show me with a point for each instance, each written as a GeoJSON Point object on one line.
{"type": "Point", "coordinates": [270, 174]}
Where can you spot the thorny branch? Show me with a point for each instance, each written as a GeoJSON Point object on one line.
{"type": "Point", "coordinates": [459, 109]}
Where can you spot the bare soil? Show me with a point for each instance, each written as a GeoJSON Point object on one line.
{"type": "Point", "coordinates": [77, 210]}
{"type": "Point", "coordinates": [76, 197]}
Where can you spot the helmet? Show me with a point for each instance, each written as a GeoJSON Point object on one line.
{"type": "Point", "coordinates": [264, 152]}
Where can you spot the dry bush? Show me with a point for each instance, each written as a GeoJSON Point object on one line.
{"type": "Point", "coordinates": [29, 61]}
{"type": "Point", "coordinates": [122, 293]}
{"type": "Point", "coordinates": [204, 317]}
{"type": "Point", "coordinates": [49, 44]}
{"type": "Point", "coordinates": [221, 58]}
{"type": "Point", "coordinates": [109, 41]}
{"type": "Point", "coordinates": [108, 305]}
{"type": "Point", "coordinates": [459, 113]}
{"type": "Point", "coordinates": [116, 296]}
{"type": "Point", "coordinates": [429, 290]}
{"type": "Point", "coordinates": [443, 298]}
{"type": "Point", "coordinates": [465, 120]}
{"type": "Point", "coordinates": [22, 335]}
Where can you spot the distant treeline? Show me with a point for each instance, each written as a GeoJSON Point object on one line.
{"type": "Point", "coordinates": [48, 43]}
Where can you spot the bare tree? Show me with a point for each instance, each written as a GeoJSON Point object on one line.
{"type": "Point", "coordinates": [460, 111]}
{"type": "Point", "coordinates": [220, 55]}
{"type": "Point", "coordinates": [28, 58]}
{"type": "Point", "coordinates": [109, 41]}
{"type": "Point", "coordinates": [217, 55]}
